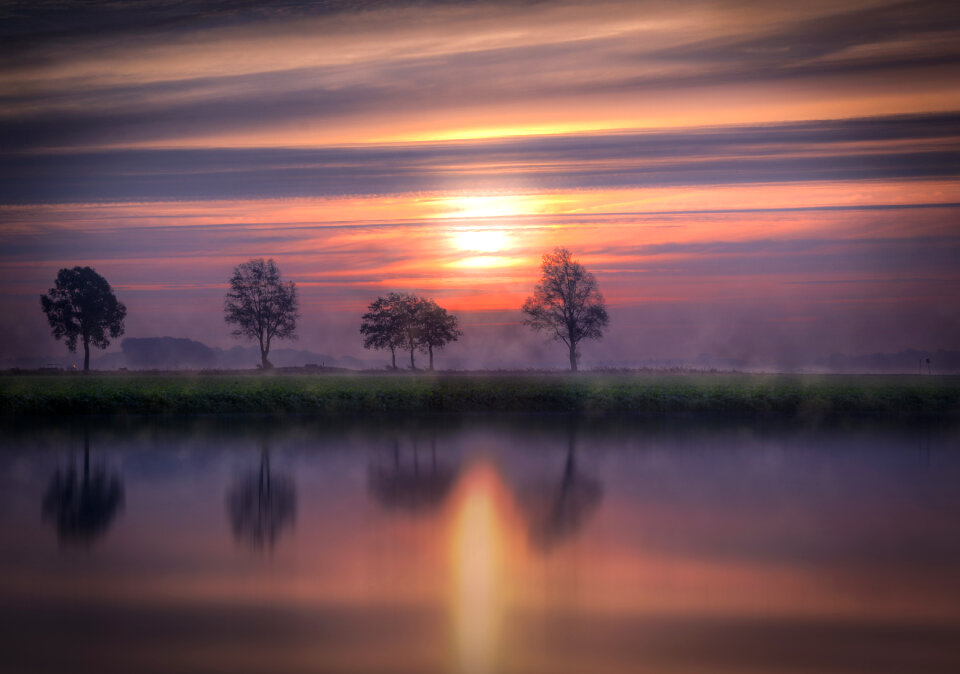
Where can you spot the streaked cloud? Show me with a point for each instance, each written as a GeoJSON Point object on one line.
{"type": "Point", "coordinates": [904, 147]}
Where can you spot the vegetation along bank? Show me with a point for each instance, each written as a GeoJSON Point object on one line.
{"type": "Point", "coordinates": [271, 393]}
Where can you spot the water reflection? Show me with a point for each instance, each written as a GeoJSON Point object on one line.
{"type": "Point", "coordinates": [535, 546]}
{"type": "Point", "coordinates": [261, 504]}
{"type": "Point", "coordinates": [82, 505]}
{"type": "Point", "coordinates": [408, 486]}
{"type": "Point", "coordinates": [556, 512]}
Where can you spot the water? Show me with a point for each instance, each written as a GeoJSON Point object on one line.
{"type": "Point", "coordinates": [523, 544]}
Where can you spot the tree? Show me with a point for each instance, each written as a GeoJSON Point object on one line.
{"type": "Point", "coordinates": [566, 303]}
{"type": "Point", "coordinates": [438, 328]}
{"type": "Point", "coordinates": [261, 305]}
{"type": "Point", "coordinates": [405, 320]}
{"type": "Point", "coordinates": [81, 305]}
{"type": "Point", "coordinates": [381, 325]}
{"type": "Point", "coordinates": [409, 308]}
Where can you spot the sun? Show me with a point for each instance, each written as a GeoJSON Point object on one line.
{"type": "Point", "coordinates": [481, 240]}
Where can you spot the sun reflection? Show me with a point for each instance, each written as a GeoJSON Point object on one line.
{"type": "Point", "coordinates": [477, 556]}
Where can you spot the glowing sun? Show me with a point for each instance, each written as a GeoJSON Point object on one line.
{"type": "Point", "coordinates": [481, 240]}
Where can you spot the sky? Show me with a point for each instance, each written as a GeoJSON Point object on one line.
{"type": "Point", "coordinates": [747, 180]}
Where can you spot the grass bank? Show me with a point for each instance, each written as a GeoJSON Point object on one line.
{"type": "Point", "coordinates": [141, 393]}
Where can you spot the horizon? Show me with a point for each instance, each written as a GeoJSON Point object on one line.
{"type": "Point", "coordinates": [759, 184]}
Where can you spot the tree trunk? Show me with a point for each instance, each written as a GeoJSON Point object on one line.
{"type": "Point", "coordinates": [393, 357]}
{"type": "Point", "coordinates": [413, 365]}
{"type": "Point", "coordinates": [86, 354]}
{"type": "Point", "coordinates": [573, 357]}
{"type": "Point", "coordinates": [264, 352]}
{"type": "Point", "coordinates": [430, 349]}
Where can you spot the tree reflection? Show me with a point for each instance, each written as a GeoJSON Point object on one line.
{"type": "Point", "coordinates": [261, 505]}
{"type": "Point", "coordinates": [556, 512]}
{"type": "Point", "coordinates": [410, 487]}
{"type": "Point", "coordinates": [82, 505]}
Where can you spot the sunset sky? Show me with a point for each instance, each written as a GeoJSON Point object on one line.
{"type": "Point", "coordinates": [765, 181]}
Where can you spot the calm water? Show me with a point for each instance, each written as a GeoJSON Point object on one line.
{"type": "Point", "coordinates": [529, 544]}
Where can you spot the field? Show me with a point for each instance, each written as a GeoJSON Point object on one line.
{"type": "Point", "coordinates": [334, 394]}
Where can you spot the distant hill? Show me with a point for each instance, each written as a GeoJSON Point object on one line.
{"type": "Point", "coordinates": [178, 353]}
{"type": "Point", "coordinates": [145, 353]}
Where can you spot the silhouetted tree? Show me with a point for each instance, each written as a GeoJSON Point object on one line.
{"type": "Point", "coordinates": [261, 505]}
{"type": "Point", "coordinates": [261, 305]}
{"type": "Point", "coordinates": [83, 505]}
{"type": "Point", "coordinates": [410, 322]}
{"type": "Point", "coordinates": [438, 328]}
{"type": "Point", "coordinates": [381, 326]}
{"type": "Point", "coordinates": [81, 306]}
{"type": "Point", "coordinates": [566, 303]}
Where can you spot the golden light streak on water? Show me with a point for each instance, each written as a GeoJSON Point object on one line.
{"type": "Point", "coordinates": [477, 554]}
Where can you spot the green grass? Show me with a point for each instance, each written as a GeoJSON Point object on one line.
{"type": "Point", "coordinates": [134, 393]}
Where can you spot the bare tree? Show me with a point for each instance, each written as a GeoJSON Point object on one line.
{"type": "Point", "coordinates": [261, 305]}
{"type": "Point", "coordinates": [566, 303]}
{"type": "Point", "coordinates": [81, 305]}
{"type": "Point", "coordinates": [437, 327]}
{"type": "Point", "coordinates": [381, 326]}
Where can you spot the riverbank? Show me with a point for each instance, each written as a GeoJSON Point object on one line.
{"type": "Point", "coordinates": [143, 393]}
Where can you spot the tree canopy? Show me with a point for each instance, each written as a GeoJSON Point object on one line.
{"type": "Point", "coordinates": [566, 303]}
{"type": "Point", "coordinates": [81, 307]}
{"type": "Point", "coordinates": [410, 322]}
{"type": "Point", "coordinates": [381, 325]}
{"type": "Point", "coordinates": [261, 305]}
{"type": "Point", "coordinates": [437, 328]}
